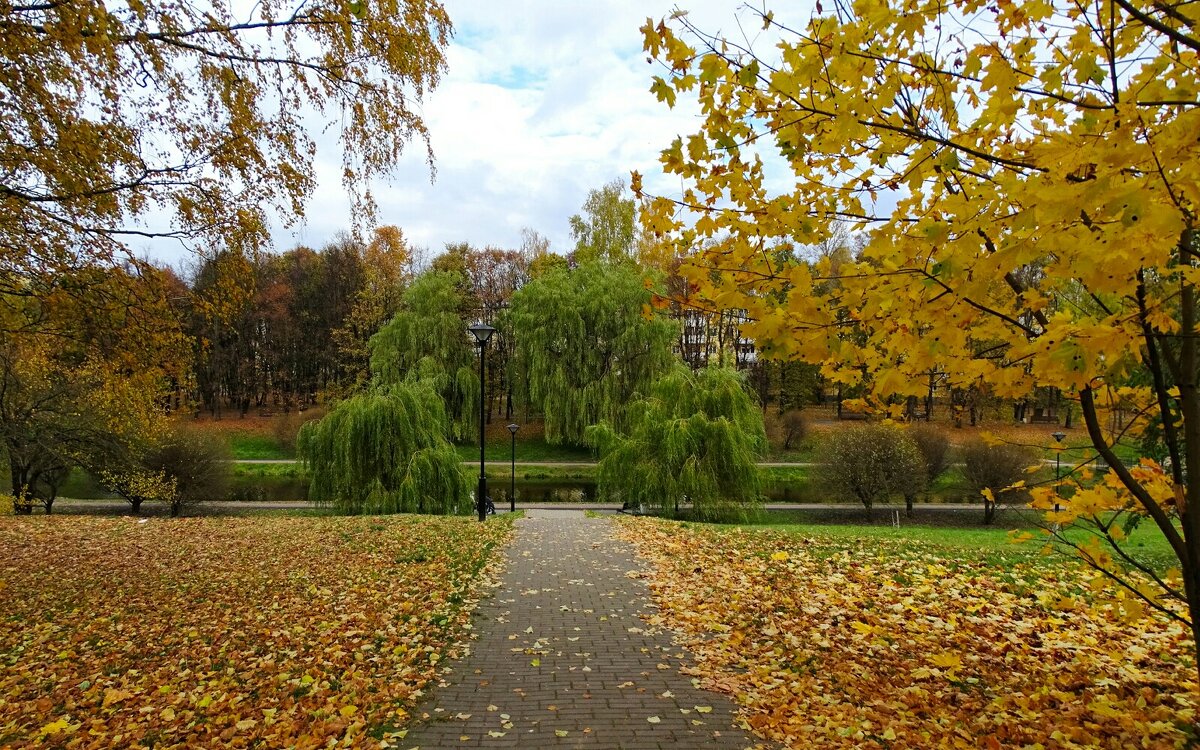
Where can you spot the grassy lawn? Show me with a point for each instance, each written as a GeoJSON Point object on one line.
{"type": "Point", "coordinates": [535, 449]}
{"type": "Point", "coordinates": [993, 545]}
{"type": "Point", "coordinates": [868, 637]}
{"type": "Point", "coordinates": [257, 447]}
{"type": "Point", "coordinates": [228, 632]}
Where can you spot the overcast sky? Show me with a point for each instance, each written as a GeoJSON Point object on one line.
{"type": "Point", "coordinates": [543, 100]}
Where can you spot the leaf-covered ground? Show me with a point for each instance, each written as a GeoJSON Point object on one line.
{"type": "Point", "coordinates": [227, 633]}
{"type": "Point", "coordinates": [834, 642]}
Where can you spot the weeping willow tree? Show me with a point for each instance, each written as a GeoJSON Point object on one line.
{"type": "Point", "coordinates": [385, 451]}
{"type": "Point", "coordinates": [584, 350]}
{"type": "Point", "coordinates": [427, 341]}
{"type": "Point", "coordinates": [694, 440]}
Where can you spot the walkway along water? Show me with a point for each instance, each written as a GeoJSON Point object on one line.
{"type": "Point", "coordinates": [563, 658]}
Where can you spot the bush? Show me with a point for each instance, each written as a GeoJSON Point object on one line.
{"type": "Point", "coordinates": [995, 468]}
{"type": "Point", "coordinates": [934, 447]}
{"type": "Point", "coordinates": [794, 427]}
{"type": "Point", "coordinates": [198, 462]}
{"type": "Point", "coordinates": [871, 462]}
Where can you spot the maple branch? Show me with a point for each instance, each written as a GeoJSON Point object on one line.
{"type": "Point", "coordinates": [1119, 580]}
{"type": "Point", "coordinates": [977, 305]}
{"type": "Point", "coordinates": [1087, 404]}
{"type": "Point", "coordinates": [1148, 20]}
{"type": "Point", "coordinates": [1160, 385]}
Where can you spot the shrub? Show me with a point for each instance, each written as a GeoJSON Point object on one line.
{"type": "Point", "coordinates": [934, 447]}
{"type": "Point", "coordinates": [198, 462]}
{"type": "Point", "coordinates": [995, 468]}
{"type": "Point", "coordinates": [871, 462]}
{"type": "Point", "coordinates": [794, 426]}
{"type": "Point", "coordinates": [182, 468]}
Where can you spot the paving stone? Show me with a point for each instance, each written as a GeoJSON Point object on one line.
{"type": "Point", "coordinates": [562, 648]}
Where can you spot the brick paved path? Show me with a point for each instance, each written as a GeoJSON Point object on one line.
{"type": "Point", "coordinates": [562, 659]}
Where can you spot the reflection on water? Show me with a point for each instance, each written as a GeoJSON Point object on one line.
{"type": "Point", "coordinates": [533, 492]}
{"type": "Point", "coordinates": [528, 491]}
{"type": "Point", "coordinates": [559, 491]}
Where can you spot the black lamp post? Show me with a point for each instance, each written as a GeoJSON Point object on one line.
{"type": "Point", "coordinates": [1058, 438]}
{"type": "Point", "coordinates": [482, 332]}
{"type": "Point", "coordinates": [512, 487]}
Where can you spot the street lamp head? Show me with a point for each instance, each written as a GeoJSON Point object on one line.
{"type": "Point", "coordinates": [1058, 436]}
{"type": "Point", "coordinates": [481, 331]}
{"type": "Point", "coordinates": [513, 428]}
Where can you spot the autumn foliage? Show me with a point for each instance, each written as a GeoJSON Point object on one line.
{"type": "Point", "coordinates": [1023, 178]}
{"type": "Point", "coordinates": [873, 643]}
{"type": "Point", "coordinates": [228, 633]}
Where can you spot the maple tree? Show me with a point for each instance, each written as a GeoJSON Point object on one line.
{"type": "Point", "coordinates": [94, 157]}
{"type": "Point", "coordinates": [693, 439]}
{"type": "Point", "coordinates": [1028, 176]}
{"type": "Point", "coordinates": [231, 632]}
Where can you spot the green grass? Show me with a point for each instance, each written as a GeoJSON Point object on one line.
{"type": "Point", "coordinates": [268, 471]}
{"type": "Point", "coordinates": [535, 449]}
{"type": "Point", "coordinates": [248, 446]}
{"type": "Point", "coordinates": [987, 544]}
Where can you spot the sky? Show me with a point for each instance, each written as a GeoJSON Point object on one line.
{"type": "Point", "coordinates": [542, 101]}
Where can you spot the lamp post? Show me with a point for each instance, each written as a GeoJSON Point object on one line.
{"type": "Point", "coordinates": [1058, 438]}
{"type": "Point", "coordinates": [512, 487]}
{"type": "Point", "coordinates": [482, 332]}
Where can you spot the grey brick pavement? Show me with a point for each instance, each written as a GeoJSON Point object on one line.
{"type": "Point", "coordinates": [563, 660]}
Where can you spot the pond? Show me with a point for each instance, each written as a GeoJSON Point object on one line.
{"type": "Point", "coordinates": [531, 491]}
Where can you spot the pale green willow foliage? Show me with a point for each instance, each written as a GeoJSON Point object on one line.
{"type": "Point", "coordinates": [428, 341]}
{"type": "Point", "coordinates": [385, 451]}
{"type": "Point", "coordinates": [584, 350]}
{"type": "Point", "coordinates": [694, 440]}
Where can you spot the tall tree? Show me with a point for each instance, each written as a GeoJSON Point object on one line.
{"type": "Point", "coordinates": [1039, 136]}
{"type": "Point", "coordinates": [386, 270]}
{"type": "Point", "coordinates": [428, 340]}
{"type": "Point", "coordinates": [92, 157]}
{"type": "Point", "coordinates": [606, 228]}
{"type": "Point", "coordinates": [694, 439]}
{"type": "Point", "coordinates": [385, 451]}
{"type": "Point", "coordinates": [584, 349]}
{"type": "Point", "coordinates": [84, 368]}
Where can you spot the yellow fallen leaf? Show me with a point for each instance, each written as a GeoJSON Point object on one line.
{"type": "Point", "coordinates": [780, 556]}
{"type": "Point", "coordinates": [946, 660]}
{"type": "Point", "coordinates": [653, 719]}
{"type": "Point", "coordinates": [113, 695]}
{"type": "Point", "coordinates": [561, 733]}
{"type": "Point", "coordinates": [704, 709]}
{"type": "Point", "coordinates": [55, 727]}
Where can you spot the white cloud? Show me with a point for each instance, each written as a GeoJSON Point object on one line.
{"type": "Point", "coordinates": [542, 101]}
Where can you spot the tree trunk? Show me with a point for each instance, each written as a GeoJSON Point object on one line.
{"type": "Point", "coordinates": [136, 505]}
{"type": "Point", "coordinates": [908, 505]}
{"type": "Point", "coordinates": [989, 512]}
